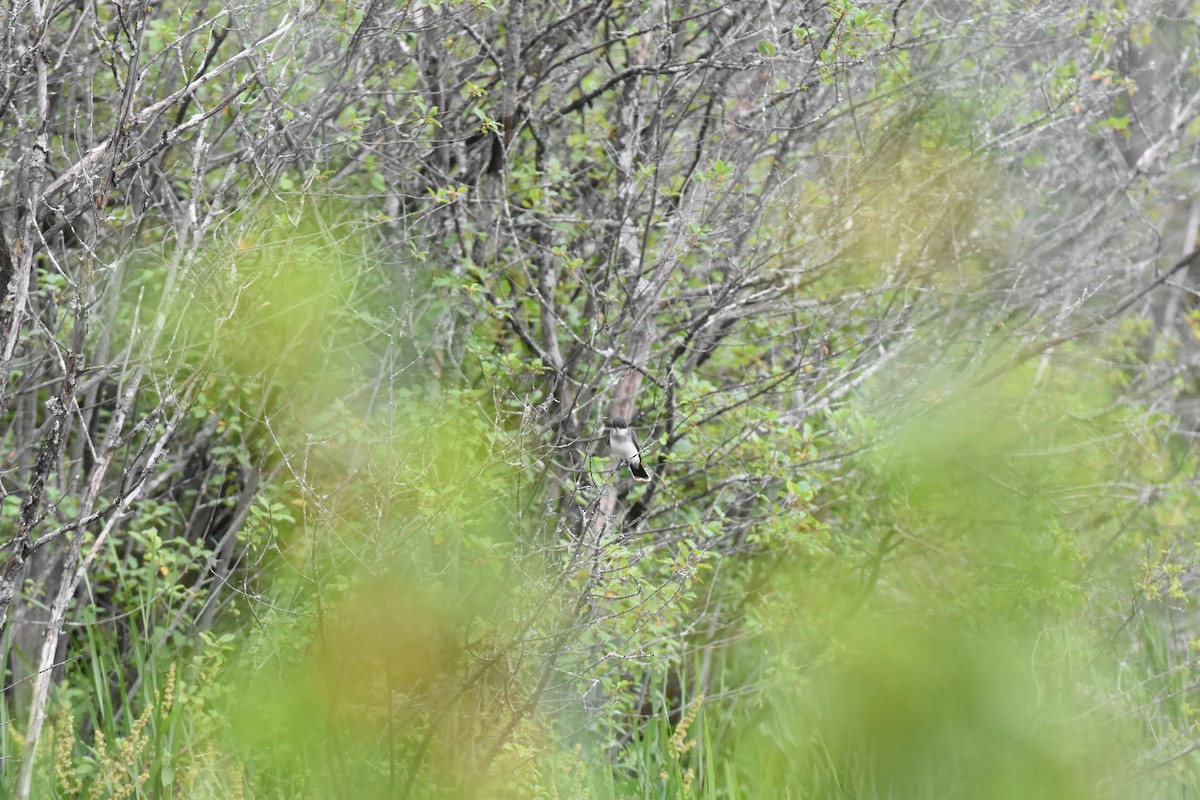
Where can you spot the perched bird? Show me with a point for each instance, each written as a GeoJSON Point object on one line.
{"type": "Point", "coordinates": [624, 445]}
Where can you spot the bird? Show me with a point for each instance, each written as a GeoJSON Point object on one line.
{"type": "Point", "coordinates": [624, 445]}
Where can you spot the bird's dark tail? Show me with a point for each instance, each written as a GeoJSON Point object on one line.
{"type": "Point", "coordinates": [639, 472]}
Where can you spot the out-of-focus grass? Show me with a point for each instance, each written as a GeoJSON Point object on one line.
{"type": "Point", "coordinates": [393, 662]}
{"type": "Point", "coordinates": [904, 710]}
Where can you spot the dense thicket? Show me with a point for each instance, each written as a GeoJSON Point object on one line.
{"type": "Point", "coordinates": [313, 316]}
